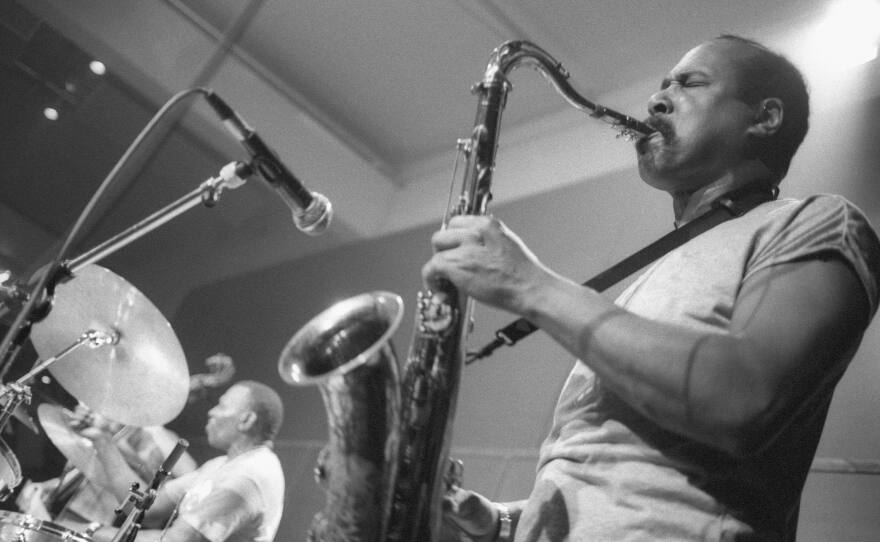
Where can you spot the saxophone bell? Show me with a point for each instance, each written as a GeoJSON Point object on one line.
{"type": "Point", "coordinates": [347, 351]}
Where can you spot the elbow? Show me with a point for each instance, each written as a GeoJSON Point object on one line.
{"type": "Point", "coordinates": [741, 444]}
{"type": "Point", "coordinates": [744, 428]}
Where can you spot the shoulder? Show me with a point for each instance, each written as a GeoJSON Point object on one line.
{"type": "Point", "coordinates": [252, 469]}
{"type": "Point", "coordinates": [818, 226]}
{"type": "Point", "coordinates": [833, 212]}
{"type": "Point", "coordinates": [823, 218]}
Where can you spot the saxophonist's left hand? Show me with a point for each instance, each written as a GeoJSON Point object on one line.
{"type": "Point", "coordinates": [486, 261]}
{"type": "Point", "coordinates": [468, 513]}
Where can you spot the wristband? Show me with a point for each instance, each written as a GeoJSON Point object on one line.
{"type": "Point", "coordinates": [505, 524]}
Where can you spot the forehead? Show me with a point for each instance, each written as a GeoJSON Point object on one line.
{"type": "Point", "coordinates": [716, 57]}
{"type": "Point", "coordinates": [235, 396]}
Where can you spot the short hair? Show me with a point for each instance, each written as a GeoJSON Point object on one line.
{"type": "Point", "coordinates": [267, 405]}
{"type": "Point", "coordinates": [767, 74]}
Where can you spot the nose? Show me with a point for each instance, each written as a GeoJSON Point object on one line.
{"type": "Point", "coordinates": [659, 104]}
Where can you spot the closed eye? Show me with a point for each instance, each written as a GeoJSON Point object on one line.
{"type": "Point", "coordinates": [687, 79]}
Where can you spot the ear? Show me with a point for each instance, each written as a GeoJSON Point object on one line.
{"type": "Point", "coordinates": [247, 420]}
{"type": "Point", "coordinates": [768, 118]}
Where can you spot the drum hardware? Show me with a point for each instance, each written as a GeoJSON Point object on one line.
{"type": "Point", "coordinates": [17, 393]}
{"type": "Point", "coordinates": [10, 472]}
{"type": "Point", "coordinates": [138, 502]}
{"type": "Point", "coordinates": [15, 527]}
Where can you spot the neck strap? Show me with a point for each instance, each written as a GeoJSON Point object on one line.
{"type": "Point", "coordinates": [730, 205]}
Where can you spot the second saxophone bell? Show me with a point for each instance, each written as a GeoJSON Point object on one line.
{"type": "Point", "coordinates": [347, 352]}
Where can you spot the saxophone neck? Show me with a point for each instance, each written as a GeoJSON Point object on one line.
{"type": "Point", "coordinates": [512, 54]}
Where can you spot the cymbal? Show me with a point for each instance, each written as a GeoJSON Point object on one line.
{"type": "Point", "coordinates": [78, 450]}
{"type": "Point", "coordinates": [142, 379]}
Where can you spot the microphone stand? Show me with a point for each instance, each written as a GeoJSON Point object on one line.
{"type": "Point", "coordinates": [37, 302]}
{"type": "Point", "coordinates": [37, 305]}
{"type": "Point", "coordinates": [232, 176]}
{"type": "Point", "coordinates": [137, 504]}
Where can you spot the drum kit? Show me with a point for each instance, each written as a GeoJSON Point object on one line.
{"type": "Point", "coordinates": [134, 370]}
{"type": "Point", "coordinates": [114, 352]}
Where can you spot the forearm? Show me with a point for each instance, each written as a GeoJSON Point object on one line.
{"type": "Point", "coordinates": [114, 475]}
{"type": "Point", "coordinates": [106, 534]}
{"type": "Point", "coordinates": [684, 380]}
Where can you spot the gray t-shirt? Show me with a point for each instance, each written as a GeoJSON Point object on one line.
{"type": "Point", "coordinates": [606, 473]}
{"type": "Point", "coordinates": [232, 500]}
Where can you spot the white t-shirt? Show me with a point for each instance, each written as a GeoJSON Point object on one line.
{"type": "Point", "coordinates": [232, 500]}
{"type": "Point", "coordinates": [606, 473]}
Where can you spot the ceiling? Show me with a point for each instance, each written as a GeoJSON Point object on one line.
{"type": "Point", "coordinates": [362, 100]}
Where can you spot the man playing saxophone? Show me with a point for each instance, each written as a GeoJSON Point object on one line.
{"type": "Point", "coordinates": [698, 397]}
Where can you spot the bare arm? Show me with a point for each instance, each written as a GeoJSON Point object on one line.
{"type": "Point", "coordinates": [110, 470]}
{"type": "Point", "coordinates": [179, 531]}
{"type": "Point", "coordinates": [113, 474]}
{"type": "Point", "coordinates": [725, 390]}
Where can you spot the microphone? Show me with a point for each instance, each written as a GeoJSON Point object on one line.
{"type": "Point", "coordinates": [312, 211]}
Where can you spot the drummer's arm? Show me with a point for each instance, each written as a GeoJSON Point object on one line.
{"type": "Point", "coordinates": [114, 475]}
{"type": "Point", "coordinates": [153, 523]}
{"type": "Point", "coordinates": [160, 511]}
{"type": "Point", "coordinates": [179, 531]}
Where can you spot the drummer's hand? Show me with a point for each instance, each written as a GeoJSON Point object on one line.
{"type": "Point", "coordinates": [83, 417]}
{"type": "Point", "coordinates": [469, 513]}
{"type": "Point", "coordinates": [99, 438]}
{"type": "Point", "coordinates": [48, 486]}
{"type": "Point", "coordinates": [80, 417]}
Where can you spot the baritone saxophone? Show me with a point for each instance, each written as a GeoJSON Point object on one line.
{"type": "Point", "coordinates": [384, 466]}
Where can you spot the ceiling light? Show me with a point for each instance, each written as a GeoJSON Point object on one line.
{"type": "Point", "coordinates": [849, 34]}
{"type": "Point", "coordinates": [97, 67]}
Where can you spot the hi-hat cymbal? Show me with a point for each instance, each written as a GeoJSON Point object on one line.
{"type": "Point", "coordinates": [142, 379]}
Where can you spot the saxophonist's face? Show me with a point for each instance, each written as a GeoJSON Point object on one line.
{"type": "Point", "coordinates": [702, 124]}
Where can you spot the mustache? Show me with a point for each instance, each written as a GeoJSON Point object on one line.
{"type": "Point", "coordinates": [661, 125]}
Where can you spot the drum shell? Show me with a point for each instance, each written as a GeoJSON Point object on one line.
{"type": "Point", "coordinates": [16, 527]}
{"type": "Point", "coordinates": [10, 472]}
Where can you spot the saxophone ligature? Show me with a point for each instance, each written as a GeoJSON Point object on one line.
{"type": "Point", "coordinates": [385, 465]}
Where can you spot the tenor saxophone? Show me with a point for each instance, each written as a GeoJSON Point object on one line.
{"type": "Point", "coordinates": [385, 465]}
